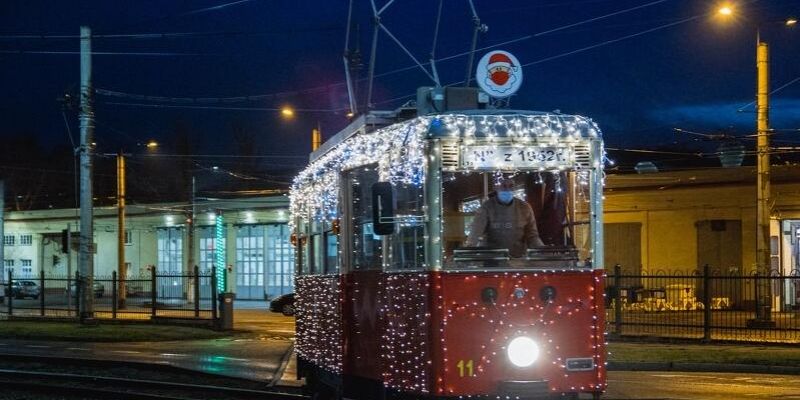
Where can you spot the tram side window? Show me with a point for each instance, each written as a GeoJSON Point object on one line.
{"type": "Point", "coordinates": [366, 251]}
{"type": "Point", "coordinates": [316, 256]}
{"type": "Point", "coordinates": [331, 253]}
{"type": "Point", "coordinates": [303, 248]}
{"type": "Point", "coordinates": [408, 241]}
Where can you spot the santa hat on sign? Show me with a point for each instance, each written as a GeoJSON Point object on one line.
{"type": "Point", "coordinates": [499, 60]}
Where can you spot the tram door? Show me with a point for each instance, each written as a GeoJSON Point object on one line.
{"type": "Point", "coordinates": [250, 262]}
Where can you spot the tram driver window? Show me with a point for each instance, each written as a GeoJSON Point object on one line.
{"type": "Point", "coordinates": [558, 199]}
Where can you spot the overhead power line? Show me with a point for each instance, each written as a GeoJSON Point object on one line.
{"type": "Point", "coordinates": [170, 35]}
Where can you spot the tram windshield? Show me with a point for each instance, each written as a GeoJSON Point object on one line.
{"type": "Point", "coordinates": [545, 225]}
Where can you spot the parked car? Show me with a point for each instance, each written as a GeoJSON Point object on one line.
{"type": "Point", "coordinates": [283, 304]}
{"type": "Point", "coordinates": [23, 289]}
{"type": "Point", "coordinates": [97, 288]}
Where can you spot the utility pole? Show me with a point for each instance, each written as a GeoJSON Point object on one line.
{"type": "Point", "coordinates": [85, 259]}
{"type": "Point", "coordinates": [122, 270]}
{"type": "Point", "coordinates": [763, 265]}
{"type": "Point", "coordinates": [316, 138]}
{"type": "Point", "coordinates": [2, 230]}
{"type": "Point", "coordinates": [190, 246]}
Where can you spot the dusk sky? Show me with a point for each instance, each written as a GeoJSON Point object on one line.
{"type": "Point", "coordinates": [637, 85]}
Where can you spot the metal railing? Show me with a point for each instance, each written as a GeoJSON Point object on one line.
{"type": "Point", "coordinates": [147, 297]}
{"type": "Point", "coordinates": [705, 303]}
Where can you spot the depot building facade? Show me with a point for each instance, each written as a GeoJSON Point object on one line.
{"type": "Point", "coordinates": [676, 222]}
{"type": "Point", "coordinates": [258, 255]}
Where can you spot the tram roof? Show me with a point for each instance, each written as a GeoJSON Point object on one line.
{"type": "Point", "coordinates": [373, 122]}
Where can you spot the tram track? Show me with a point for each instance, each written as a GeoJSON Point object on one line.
{"type": "Point", "coordinates": [68, 385]}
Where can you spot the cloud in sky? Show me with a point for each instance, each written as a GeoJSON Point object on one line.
{"type": "Point", "coordinates": [784, 114]}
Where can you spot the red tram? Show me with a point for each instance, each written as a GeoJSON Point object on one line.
{"type": "Point", "coordinates": [390, 302]}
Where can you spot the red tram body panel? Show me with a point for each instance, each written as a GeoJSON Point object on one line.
{"type": "Point", "coordinates": [432, 333]}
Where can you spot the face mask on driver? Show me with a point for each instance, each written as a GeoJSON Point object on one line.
{"type": "Point", "coordinates": [505, 196]}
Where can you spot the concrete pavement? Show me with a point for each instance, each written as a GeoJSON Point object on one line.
{"type": "Point", "coordinates": [700, 386]}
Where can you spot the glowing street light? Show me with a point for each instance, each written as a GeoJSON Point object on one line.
{"type": "Point", "coordinates": [725, 10]}
{"type": "Point", "coordinates": [791, 22]}
{"type": "Point", "coordinates": [287, 112]}
{"type": "Point", "coordinates": [151, 144]}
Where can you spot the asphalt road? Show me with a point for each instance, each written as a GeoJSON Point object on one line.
{"type": "Point", "coordinates": [259, 356]}
{"type": "Point", "coordinates": [700, 386]}
{"type": "Point", "coordinates": [262, 356]}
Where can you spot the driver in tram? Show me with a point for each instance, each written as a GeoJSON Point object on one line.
{"type": "Point", "coordinates": [504, 221]}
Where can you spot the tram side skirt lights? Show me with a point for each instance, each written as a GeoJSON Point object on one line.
{"type": "Point", "coordinates": [219, 252]}
{"type": "Point", "coordinates": [523, 351]}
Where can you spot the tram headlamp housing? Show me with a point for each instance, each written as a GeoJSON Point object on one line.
{"type": "Point", "coordinates": [522, 351]}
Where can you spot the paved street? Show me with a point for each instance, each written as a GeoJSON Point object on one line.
{"type": "Point", "coordinates": [700, 386]}
{"type": "Point", "coordinates": [259, 356]}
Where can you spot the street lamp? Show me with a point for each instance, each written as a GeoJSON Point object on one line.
{"type": "Point", "coordinates": [287, 112]}
{"type": "Point", "coordinates": [763, 190]}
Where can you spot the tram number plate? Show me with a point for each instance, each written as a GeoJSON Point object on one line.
{"type": "Point", "coordinates": [516, 157]}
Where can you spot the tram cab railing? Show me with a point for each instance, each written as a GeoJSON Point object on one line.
{"type": "Point", "coordinates": [549, 257]}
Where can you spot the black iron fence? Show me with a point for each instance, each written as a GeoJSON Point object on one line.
{"type": "Point", "coordinates": [705, 303]}
{"type": "Point", "coordinates": [150, 296]}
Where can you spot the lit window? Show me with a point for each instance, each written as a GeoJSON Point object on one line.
{"type": "Point", "coordinates": [8, 240]}
{"type": "Point", "coordinates": [25, 240]}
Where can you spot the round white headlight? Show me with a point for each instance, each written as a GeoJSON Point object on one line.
{"type": "Point", "coordinates": [523, 351]}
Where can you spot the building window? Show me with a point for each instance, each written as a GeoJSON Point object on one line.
{"type": "Point", "coordinates": [207, 256]}
{"type": "Point", "coordinates": [170, 250]}
{"type": "Point", "coordinates": [280, 260]}
{"type": "Point", "coordinates": [8, 263]}
{"type": "Point", "coordinates": [128, 237]}
{"type": "Point", "coordinates": [27, 267]}
{"type": "Point", "coordinates": [25, 240]}
{"type": "Point", "coordinates": [8, 240]}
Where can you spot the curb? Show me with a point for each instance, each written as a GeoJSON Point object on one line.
{"type": "Point", "coordinates": [703, 367]}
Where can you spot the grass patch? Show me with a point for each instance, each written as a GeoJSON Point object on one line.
{"type": "Point", "coordinates": [718, 354]}
{"type": "Point", "coordinates": [72, 331]}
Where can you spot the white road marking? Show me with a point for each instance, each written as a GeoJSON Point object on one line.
{"type": "Point", "coordinates": [125, 351]}
{"type": "Point", "coordinates": [173, 355]}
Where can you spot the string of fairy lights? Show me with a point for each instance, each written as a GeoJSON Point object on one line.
{"type": "Point", "coordinates": [399, 151]}
{"type": "Point", "coordinates": [417, 310]}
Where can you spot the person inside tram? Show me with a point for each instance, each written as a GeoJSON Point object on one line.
{"type": "Point", "coordinates": [504, 221]}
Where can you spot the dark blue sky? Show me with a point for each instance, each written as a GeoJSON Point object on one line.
{"type": "Point", "coordinates": [693, 75]}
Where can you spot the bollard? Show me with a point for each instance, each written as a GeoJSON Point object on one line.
{"type": "Point", "coordinates": [226, 311]}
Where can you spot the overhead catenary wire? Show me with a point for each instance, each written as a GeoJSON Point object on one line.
{"type": "Point", "coordinates": [398, 70]}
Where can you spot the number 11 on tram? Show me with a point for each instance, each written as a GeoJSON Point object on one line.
{"type": "Point", "coordinates": [391, 302]}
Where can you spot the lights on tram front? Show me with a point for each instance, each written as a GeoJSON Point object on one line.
{"type": "Point", "coordinates": [523, 351]}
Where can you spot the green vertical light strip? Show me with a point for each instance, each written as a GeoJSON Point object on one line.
{"type": "Point", "coordinates": [219, 252]}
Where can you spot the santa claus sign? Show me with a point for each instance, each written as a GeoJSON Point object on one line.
{"type": "Point", "coordinates": [499, 74]}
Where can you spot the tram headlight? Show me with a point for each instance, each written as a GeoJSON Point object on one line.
{"type": "Point", "coordinates": [522, 351]}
